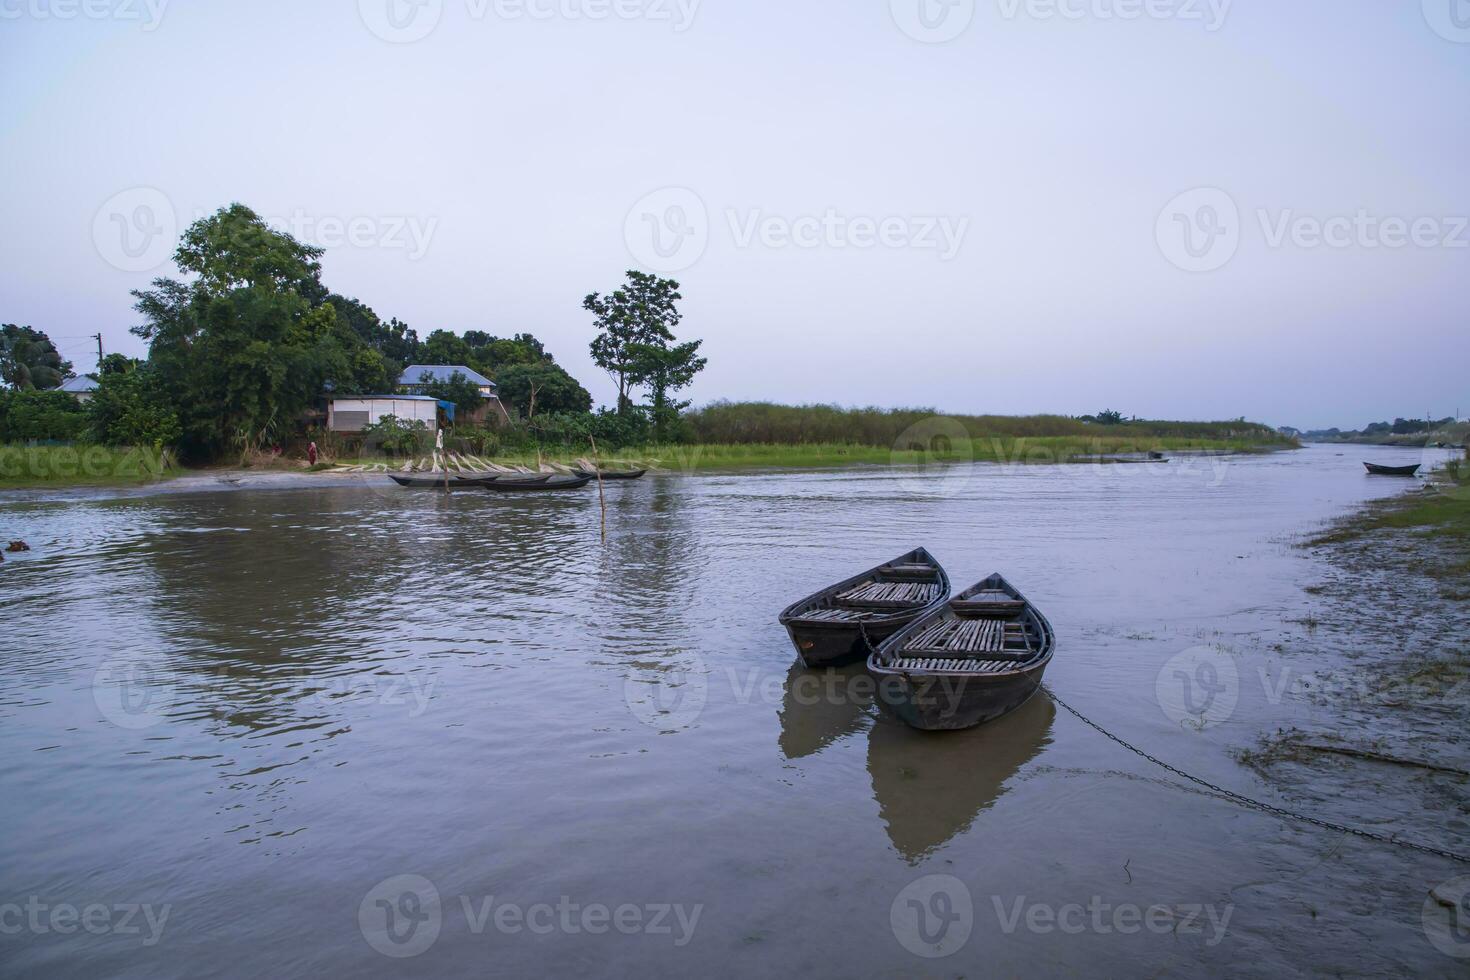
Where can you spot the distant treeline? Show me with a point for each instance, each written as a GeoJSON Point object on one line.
{"type": "Point", "coordinates": [738, 423]}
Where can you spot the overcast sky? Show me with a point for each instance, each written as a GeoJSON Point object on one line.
{"type": "Point", "coordinates": [1175, 208]}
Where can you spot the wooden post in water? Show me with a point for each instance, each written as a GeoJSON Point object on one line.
{"type": "Point", "coordinates": [601, 501]}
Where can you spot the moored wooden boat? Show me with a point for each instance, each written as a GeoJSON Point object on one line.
{"type": "Point", "coordinates": [970, 661]}
{"type": "Point", "coordinates": [841, 622]}
{"type": "Point", "coordinates": [536, 482]}
{"type": "Point", "coordinates": [612, 474]}
{"type": "Point", "coordinates": [496, 477]}
{"type": "Point", "coordinates": [1379, 469]}
{"type": "Point", "coordinates": [422, 481]}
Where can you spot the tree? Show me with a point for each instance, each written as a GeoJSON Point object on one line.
{"type": "Point", "coordinates": [241, 349]}
{"type": "Point", "coordinates": [132, 408]}
{"type": "Point", "coordinates": [28, 359]}
{"type": "Point", "coordinates": [456, 388]}
{"type": "Point", "coordinates": [642, 314]}
{"type": "Point", "coordinates": [235, 248]}
{"type": "Point", "coordinates": [1109, 417]}
{"type": "Point", "coordinates": [664, 370]}
{"type": "Point", "coordinates": [443, 347]}
{"type": "Point", "coordinates": [541, 388]}
{"type": "Point", "coordinates": [34, 414]}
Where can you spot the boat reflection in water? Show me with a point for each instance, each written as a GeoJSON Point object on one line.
{"type": "Point", "coordinates": [818, 707]}
{"type": "Point", "coordinates": [930, 786]}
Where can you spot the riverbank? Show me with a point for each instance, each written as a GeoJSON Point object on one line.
{"type": "Point", "coordinates": [1381, 662]}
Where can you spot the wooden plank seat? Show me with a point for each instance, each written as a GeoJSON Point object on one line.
{"type": "Point", "coordinates": [969, 638]}
{"type": "Point", "coordinates": [889, 595]}
{"type": "Point", "coordinates": [908, 570]}
{"type": "Point", "coordinates": [988, 607]}
{"type": "Point", "coordinates": [837, 614]}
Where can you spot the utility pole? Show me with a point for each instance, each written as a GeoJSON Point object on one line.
{"type": "Point", "coordinates": [98, 335]}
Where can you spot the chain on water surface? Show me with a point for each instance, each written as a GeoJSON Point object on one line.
{"type": "Point", "coordinates": [1257, 804]}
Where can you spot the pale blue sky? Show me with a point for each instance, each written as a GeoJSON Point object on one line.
{"type": "Point", "coordinates": [489, 174]}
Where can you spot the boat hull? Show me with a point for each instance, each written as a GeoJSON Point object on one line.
{"type": "Point", "coordinates": [832, 643]}
{"type": "Point", "coordinates": [936, 685]}
{"type": "Point", "coordinates": [822, 645]}
{"type": "Point", "coordinates": [939, 702]}
{"type": "Point", "coordinates": [1380, 470]}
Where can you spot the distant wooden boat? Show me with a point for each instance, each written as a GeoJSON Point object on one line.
{"type": "Point", "coordinates": [1378, 469]}
{"type": "Point", "coordinates": [498, 477]}
{"type": "Point", "coordinates": [421, 481]}
{"type": "Point", "coordinates": [970, 661]}
{"type": "Point", "coordinates": [535, 482]}
{"type": "Point", "coordinates": [838, 624]}
{"type": "Point", "coordinates": [612, 474]}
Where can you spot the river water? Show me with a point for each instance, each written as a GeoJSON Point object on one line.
{"type": "Point", "coordinates": [373, 732]}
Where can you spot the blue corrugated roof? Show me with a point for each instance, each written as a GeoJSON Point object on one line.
{"type": "Point", "coordinates": [80, 384]}
{"type": "Point", "coordinates": [414, 373]}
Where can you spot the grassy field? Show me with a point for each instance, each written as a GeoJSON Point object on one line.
{"type": "Point", "coordinates": [24, 467]}
{"type": "Point", "coordinates": [764, 423]}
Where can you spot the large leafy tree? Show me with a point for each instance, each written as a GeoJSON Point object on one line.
{"type": "Point", "coordinates": [641, 314]}
{"type": "Point", "coordinates": [542, 387]}
{"type": "Point", "coordinates": [28, 359]}
{"type": "Point", "coordinates": [251, 339]}
{"type": "Point", "coordinates": [635, 344]}
{"type": "Point", "coordinates": [445, 347]}
{"type": "Point", "coordinates": [665, 369]}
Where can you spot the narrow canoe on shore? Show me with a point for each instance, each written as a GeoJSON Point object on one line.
{"type": "Point", "coordinates": [838, 624]}
{"type": "Point", "coordinates": [970, 661]}
{"type": "Point", "coordinates": [1377, 469]}
{"type": "Point", "coordinates": [612, 474]}
{"type": "Point", "coordinates": [533, 482]}
{"type": "Point", "coordinates": [423, 481]}
{"type": "Point", "coordinates": [495, 477]}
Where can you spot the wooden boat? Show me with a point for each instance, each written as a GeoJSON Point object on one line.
{"type": "Point", "coordinates": [421, 481]}
{"type": "Point", "coordinates": [612, 474]}
{"type": "Point", "coordinates": [498, 477]}
{"type": "Point", "coordinates": [1379, 470]}
{"type": "Point", "coordinates": [970, 661]}
{"type": "Point", "coordinates": [538, 481]}
{"type": "Point", "coordinates": [841, 622]}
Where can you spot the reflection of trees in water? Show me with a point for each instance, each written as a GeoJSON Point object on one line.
{"type": "Point", "coordinates": [818, 707]}
{"type": "Point", "coordinates": [277, 619]}
{"type": "Point", "coordinates": [930, 786]}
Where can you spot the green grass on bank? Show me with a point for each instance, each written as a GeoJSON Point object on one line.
{"type": "Point", "coordinates": [23, 467]}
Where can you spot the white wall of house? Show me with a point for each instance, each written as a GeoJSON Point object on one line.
{"type": "Point", "coordinates": [353, 414]}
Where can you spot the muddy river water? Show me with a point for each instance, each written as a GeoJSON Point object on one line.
{"type": "Point", "coordinates": [366, 731]}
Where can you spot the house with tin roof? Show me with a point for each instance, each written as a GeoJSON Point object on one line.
{"type": "Point", "coordinates": [417, 378]}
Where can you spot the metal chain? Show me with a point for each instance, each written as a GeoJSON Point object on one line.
{"type": "Point", "coordinates": [1257, 804]}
